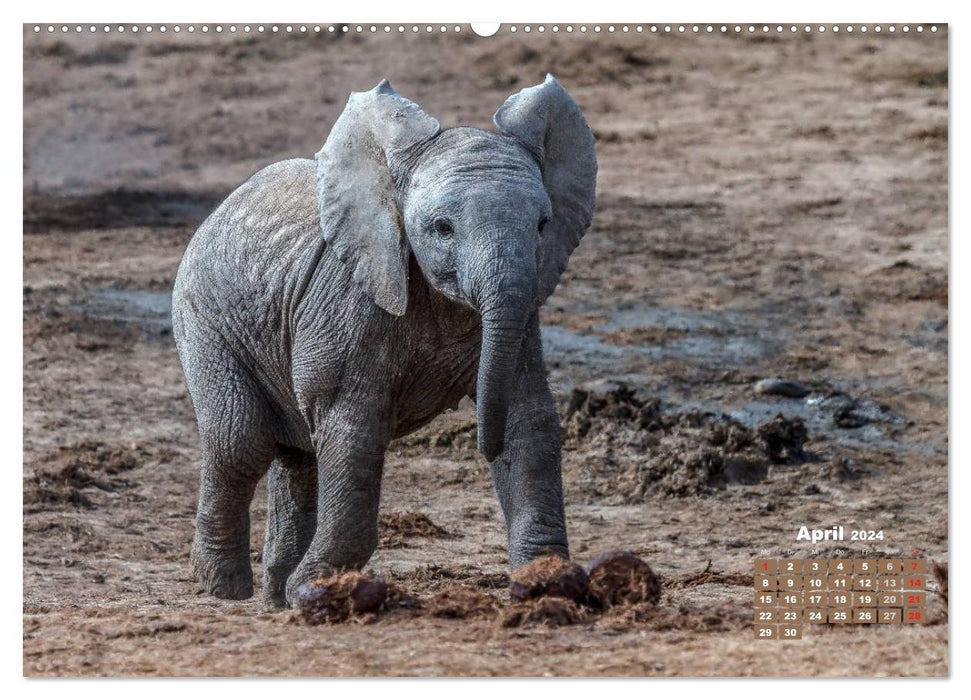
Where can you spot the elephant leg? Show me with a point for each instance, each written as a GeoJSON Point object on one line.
{"type": "Point", "coordinates": [350, 461]}
{"type": "Point", "coordinates": [291, 520]}
{"type": "Point", "coordinates": [221, 546]}
{"type": "Point", "coordinates": [527, 473]}
{"type": "Point", "coordinates": [237, 448]}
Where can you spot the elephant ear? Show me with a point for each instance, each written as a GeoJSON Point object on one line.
{"type": "Point", "coordinates": [359, 217]}
{"type": "Point", "coordinates": [546, 120]}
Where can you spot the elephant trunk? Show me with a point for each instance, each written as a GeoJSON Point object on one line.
{"type": "Point", "coordinates": [504, 318]}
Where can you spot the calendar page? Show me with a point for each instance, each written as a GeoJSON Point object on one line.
{"type": "Point", "coordinates": [427, 348]}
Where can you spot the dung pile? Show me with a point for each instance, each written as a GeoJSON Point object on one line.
{"type": "Point", "coordinates": [549, 591]}
{"type": "Point", "coordinates": [554, 592]}
{"type": "Point", "coordinates": [621, 579]}
{"type": "Point", "coordinates": [551, 576]}
{"type": "Point", "coordinates": [593, 406]}
{"type": "Point", "coordinates": [635, 447]}
{"type": "Point", "coordinates": [340, 596]}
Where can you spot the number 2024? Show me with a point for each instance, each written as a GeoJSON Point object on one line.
{"type": "Point", "coordinates": [866, 535]}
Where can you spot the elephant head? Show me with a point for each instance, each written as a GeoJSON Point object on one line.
{"type": "Point", "coordinates": [491, 218]}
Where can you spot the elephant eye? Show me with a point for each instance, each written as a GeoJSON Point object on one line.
{"type": "Point", "coordinates": [542, 224]}
{"type": "Point", "coordinates": [443, 227]}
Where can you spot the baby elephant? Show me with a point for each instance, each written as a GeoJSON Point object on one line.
{"type": "Point", "coordinates": [329, 306]}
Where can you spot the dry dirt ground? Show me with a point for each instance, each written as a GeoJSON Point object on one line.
{"type": "Point", "coordinates": [769, 206]}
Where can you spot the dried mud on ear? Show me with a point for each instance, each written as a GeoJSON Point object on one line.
{"type": "Point", "coordinates": [634, 447]}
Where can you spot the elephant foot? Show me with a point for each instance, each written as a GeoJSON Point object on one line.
{"type": "Point", "coordinates": [274, 590]}
{"type": "Point", "coordinates": [302, 576]}
{"type": "Point", "coordinates": [323, 566]}
{"type": "Point", "coordinates": [229, 579]}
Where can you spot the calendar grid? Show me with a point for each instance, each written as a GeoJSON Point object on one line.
{"type": "Point", "coordinates": [793, 593]}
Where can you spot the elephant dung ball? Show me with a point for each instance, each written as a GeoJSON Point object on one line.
{"type": "Point", "coordinates": [339, 596]}
{"type": "Point", "coordinates": [368, 594]}
{"type": "Point", "coordinates": [550, 576]}
{"type": "Point", "coordinates": [621, 578]}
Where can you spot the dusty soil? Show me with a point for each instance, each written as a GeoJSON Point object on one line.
{"type": "Point", "coordinates": [769, 207]}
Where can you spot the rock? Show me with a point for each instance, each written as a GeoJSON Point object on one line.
{"type": "Point", "coordinates": [781, 387]}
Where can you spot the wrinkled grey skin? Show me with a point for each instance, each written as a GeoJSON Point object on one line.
{"type": "Point", "coordinates": [328, 307]}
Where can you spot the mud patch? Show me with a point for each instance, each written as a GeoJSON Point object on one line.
{"type": "Point", "coordinates": [116, 209]}
{"type": "Point", "coordinates": [851, 422]}
{"type": "Point", "coordinates": [80, 331]}
{"type": "Point", "coordinates": [628, 338]}
{"type": "Point", "coordinates": [596, 407]}
{"type": "Point", "coordinates": [905, 281]}
{"type": "Point", "coordinates": [72, 474]}
{"type": "Point", "coordinates": [708, 576]}
{"type": "Point", "coordinates": [718, 617]}
{"type": "Point", "coordinates": [462, 603]}
{"type": "Point", "coordinates": [636, 447]}
{"type": "Point", "coordinates": [782, 439]}
{"type": "Point", "coordinates": [395, 529]}
{"type": "Point", "coordinates": [131, 306]}
{"type": "Point", "coordinates": [640, 335]}
{"type": "Point", "coordinates": [111, 54]}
